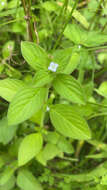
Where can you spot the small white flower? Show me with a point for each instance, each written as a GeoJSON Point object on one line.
{"type": "Point", "coordinates": [53, 67]}
{"type": "Point", "coordinates": [10, 47]}
{"type": "Point", "coordinates": [2, 3]}
{"type": "Point", "coordinates": [47, 108]}
{"type": "Point", "coordinates": [79, 46]}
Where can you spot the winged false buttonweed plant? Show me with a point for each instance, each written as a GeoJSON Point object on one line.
{"type": "Point", "coordinates": [27, 100]}
{"type": "Point", "coordinates": [50, 124]}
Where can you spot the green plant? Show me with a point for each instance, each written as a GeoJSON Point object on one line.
{"type": "Point", "coordinates": [56, 119]}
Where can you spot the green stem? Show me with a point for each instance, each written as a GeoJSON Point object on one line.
{"type": "Point", "coordinates": [81, 75]}
{"type": "Point", "coordinates": [96, 115]}
{"type": "Point", "coordinates": [67, 21]}
{"type": "Point", "coordinates": [96, 12]}
{"type": "Point", "coordinates": [28, 16]}
{"type": "Point", "coordinates": [97, 48]}
{"type": "Point", "coordinates": [44, 111]}
{"type": "Point", "coordinates": [97, 104]}
{"type": "Point", "coordinates": [11, 21]}
{"type": "Point", "coordinates": [98, 74]}
{"type": "Point", "coordinates": [24, 6]}
{"type": "Point", "coordinates": [65, 4]}
{"type": "Point", "coordinates": [70, 159]}
{"type": "Point", "coordinates": [104, 27]}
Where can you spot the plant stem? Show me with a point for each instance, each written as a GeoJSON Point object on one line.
{"type": "Point", "coordinates": [97, 48]}
{"type": "Point", "coordinates": [81, 75]}
{"type": "Point", "coordinates": [24, 6]}
{"type": "Point", "coordinates": [104, 27]}
{"type": "Point", "coordinates": [65, 4]}
{"type": "Point", "coordinates": [67, 21]}
{"type": "Point", "coordinates": [97, 115]}
{"type": "Point", "coordinates": [94, 17]}
{"type": "Point", "coordinates": [79, 147]}
{"type": "Point", "coordinates": [44, 111]}
{"type": "Point", "coordinates": [11, 21]}
{"type": "Point", "coordinates": [28, 18]}
{"type": "Point", "coordinates": [98, 74]}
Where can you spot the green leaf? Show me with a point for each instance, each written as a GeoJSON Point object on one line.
{"type": "Point", "coordinates": [9, 185]}
{"type": "Point", "coordinates": [95, 38]}
{"type": "Point", "coordinates": [104, 180]}
{"type": "Point", "coordinates": [73, 33]}
{"type": "Point", "coordinates": [68, 122]}
{"type": "Point", "coordinates": [36, 118]}
{"type": "Point", "coordinates": [9, 87]}
{"type": "Point", "coordinates": [6, 132]}
{"type": "Point", "coordinates": [80, 36]}
{"type": "Point", "coordinates": [49, 152]}
{"type": "Point", "coordinates": [97, 156]}
{"type": "Point", "coordinates": [62, 143]}
{"type": "Point", "coordinates": [29, 148]}
{"type": "Point", "coordinates": [42, 78]}
{"type": "Point", "coordinates": [69, 88]}
{"type": "Point", "coordinates": [25, 104]}
{"type": "Point", "coordinates": [8, 49]}
{"type": "Point", "coordinates": [35, 56]}
{"type": "Point", "coordinates": [65, 146]}
{"type": "Point", "coordinates": [73, 63]}
{"type": "Point", "coordinates": [50, 6]}
{"type": "Point", "coordinates": [27, 181]}
{"type": "Point", "coordinates": [7, 173]}
{"type": "Point", "coordinates": [102, 90]}
{"type": "Point", "coordinates": [98, 144]}
{"type": "Point", "coordinates": [62, 58]}
{"type": "Point", "coordinates": [52, 137]}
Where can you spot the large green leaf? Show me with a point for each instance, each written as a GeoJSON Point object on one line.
{"type": "Point", "coordinates": [83, 37]}
{"type": "Point", "coordinates": [27, 181]}
{"type": "Point", "coordinates": [69, 88]}
{"type": "Point", "coordinates": [9, 87]}
{"type": "Point", "coordinates": [68, 122]}
{"type": "Point", "coordinates": [6, 132]}
{"type": "Point", "coordinates": [25, 103]}
{"type": "Point", "coordinates": [29, 148]}
{"type": "Point", "coordinates": [35, 56]}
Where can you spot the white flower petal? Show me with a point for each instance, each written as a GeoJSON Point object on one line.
{"type": "Point", "coordinates": [47, 108]}
{"type": "Point", "coordinates": [53, 66]}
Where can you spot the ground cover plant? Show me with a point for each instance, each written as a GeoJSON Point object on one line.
{"type": "Point", "coordinates": [53, 95]}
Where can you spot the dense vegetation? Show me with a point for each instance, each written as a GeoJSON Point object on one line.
{"type": "Point", "coordinates": [53, 94]}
